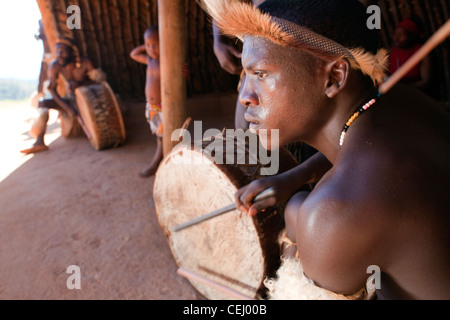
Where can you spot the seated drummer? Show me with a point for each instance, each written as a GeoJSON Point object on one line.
{"type": "Point", "coordinates": [77, 72]}
{"type": "Point", "coordinates": [383, 168]}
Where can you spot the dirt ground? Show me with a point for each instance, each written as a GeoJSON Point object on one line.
{"type": "Point", "coordinates": [73, 205]}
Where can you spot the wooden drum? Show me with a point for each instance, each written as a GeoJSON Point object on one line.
{"type": "Point", "coordinates": [101, 115]}
{"type": "Point", "coordinates": [234, 249]}
{"type": "Point", "coordinates": [70, 128]}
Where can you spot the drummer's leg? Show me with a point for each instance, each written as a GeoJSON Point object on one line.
{"type": "Point", "coordinates": [154, 119]}
{"type": "Point", "coordinates": [290, 217]}
{"type": "Point", "coordinates": [157, 158]}
{"type": "Point", "coordinates": [39, 126]}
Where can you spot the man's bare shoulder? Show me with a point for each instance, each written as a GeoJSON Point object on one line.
{"type": "Point", "coordinates": [338, 235]}
{"type": "Point", "coordinates": [86, 64]}
{"type": "Point", "coordinates": [344, 226]}
{"type": "Point", "coordinates": [371, 199]}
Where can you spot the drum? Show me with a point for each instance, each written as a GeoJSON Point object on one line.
{"type": "Point", "coordinates": [234, 249]}
{"type": "Point", "coordinates": [101, 115]}
{"type": "Point", "coordinates": [70, 128]}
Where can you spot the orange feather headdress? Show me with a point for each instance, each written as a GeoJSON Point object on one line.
{"type": "Point", "coordinates": [241, 19]}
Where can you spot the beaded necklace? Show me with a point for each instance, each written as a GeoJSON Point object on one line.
{"type": "Point", "coordinates": [354, 117]}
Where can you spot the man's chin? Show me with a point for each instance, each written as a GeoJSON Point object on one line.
{"type": "Point", "coordinates": [269, 141]}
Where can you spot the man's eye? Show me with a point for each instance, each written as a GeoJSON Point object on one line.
{"type": "Point", "coordinates": [261, 75]}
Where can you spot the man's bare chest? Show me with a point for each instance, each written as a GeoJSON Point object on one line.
{"type": "Point", "coordinates": [74, 74]}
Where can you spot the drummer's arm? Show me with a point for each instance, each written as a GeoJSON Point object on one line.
{"type": "Point", "coordinates": [285, 184]}
{"type": "Point", "coordinates": [54, 74]}
{"type": "Point", "coordinates": [94, 75]}
{"type": "Point", "coordinates": [90, 74]}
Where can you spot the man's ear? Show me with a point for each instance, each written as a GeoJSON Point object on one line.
{"type": "Point", "coordinates": [337, 75]}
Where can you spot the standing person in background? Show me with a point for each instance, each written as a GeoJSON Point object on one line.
{"type": "Point", "coordinates": [407, 41]}
{"type": "Point", "coordinates": [148, 54]}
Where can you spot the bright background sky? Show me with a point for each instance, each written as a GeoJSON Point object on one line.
{"type": "Point", "coordinates": [20, 53]}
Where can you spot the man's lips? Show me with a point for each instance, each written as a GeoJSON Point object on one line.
{"type": "Point", "coordinates": [251, 118]}
{"type": "Point", "coordinates": [254, 122]}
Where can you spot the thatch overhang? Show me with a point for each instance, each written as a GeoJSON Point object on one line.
{"type": "Point", "coordinates": [112, 28]}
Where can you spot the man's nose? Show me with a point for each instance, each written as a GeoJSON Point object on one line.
{"type": "Point", "coordinates": [248, 96]}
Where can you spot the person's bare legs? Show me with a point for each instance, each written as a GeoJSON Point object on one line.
{"type": "Point", "coordinates": [157, 158]}
{"type": "Point", "coordinates": [38, 131]}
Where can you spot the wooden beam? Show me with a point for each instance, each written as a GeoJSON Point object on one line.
{"type": "Point", "coordinates": [172, 35]}
{"type": "Point", "coordinates": [49, 23]}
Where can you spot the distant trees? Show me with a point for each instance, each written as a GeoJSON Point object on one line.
{"type": "Point", "coordinates": [16, 89]}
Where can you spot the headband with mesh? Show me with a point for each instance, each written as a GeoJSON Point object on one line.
{"type": "Point", "coordinates": [239, 19]}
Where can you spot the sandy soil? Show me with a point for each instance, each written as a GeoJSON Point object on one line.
{"type": "Point", "coordinates": [73, 205]}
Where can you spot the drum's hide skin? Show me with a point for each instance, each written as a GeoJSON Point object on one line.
{"type": "Point", "coordinates": [101, 114]}
{"type": "Point", "coordinates": [233, 249]}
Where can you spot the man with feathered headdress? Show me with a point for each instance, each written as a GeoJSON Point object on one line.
{"type": "Point", "coordinates": [381, 201]}
{"type": "Point", "coordinates": [228, 55]}
{"type": "Point", "coordinates": [76, 71]}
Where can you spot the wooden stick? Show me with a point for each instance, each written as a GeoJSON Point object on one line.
{"type": "Point", "coordinates": [262, 196]}
{"type": "Point", "coordinates": [187, 123]}
{"type": "Point", "coordinates": [431, 44]}
{"type": "Point", "coordinates": [83, 126]}
{"type": "Point", "coordinates": [204, 218]}
{"type": "Point", "coordinates": [193, 276]}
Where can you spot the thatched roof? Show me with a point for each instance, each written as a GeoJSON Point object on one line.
{"type": "Point", "coordinates": [112, 28]}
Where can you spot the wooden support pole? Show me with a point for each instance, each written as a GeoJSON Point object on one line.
{"type": "Point", "coordinates": [172, 35]}
{"type": "Point", "coordinates": [49, 23]}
